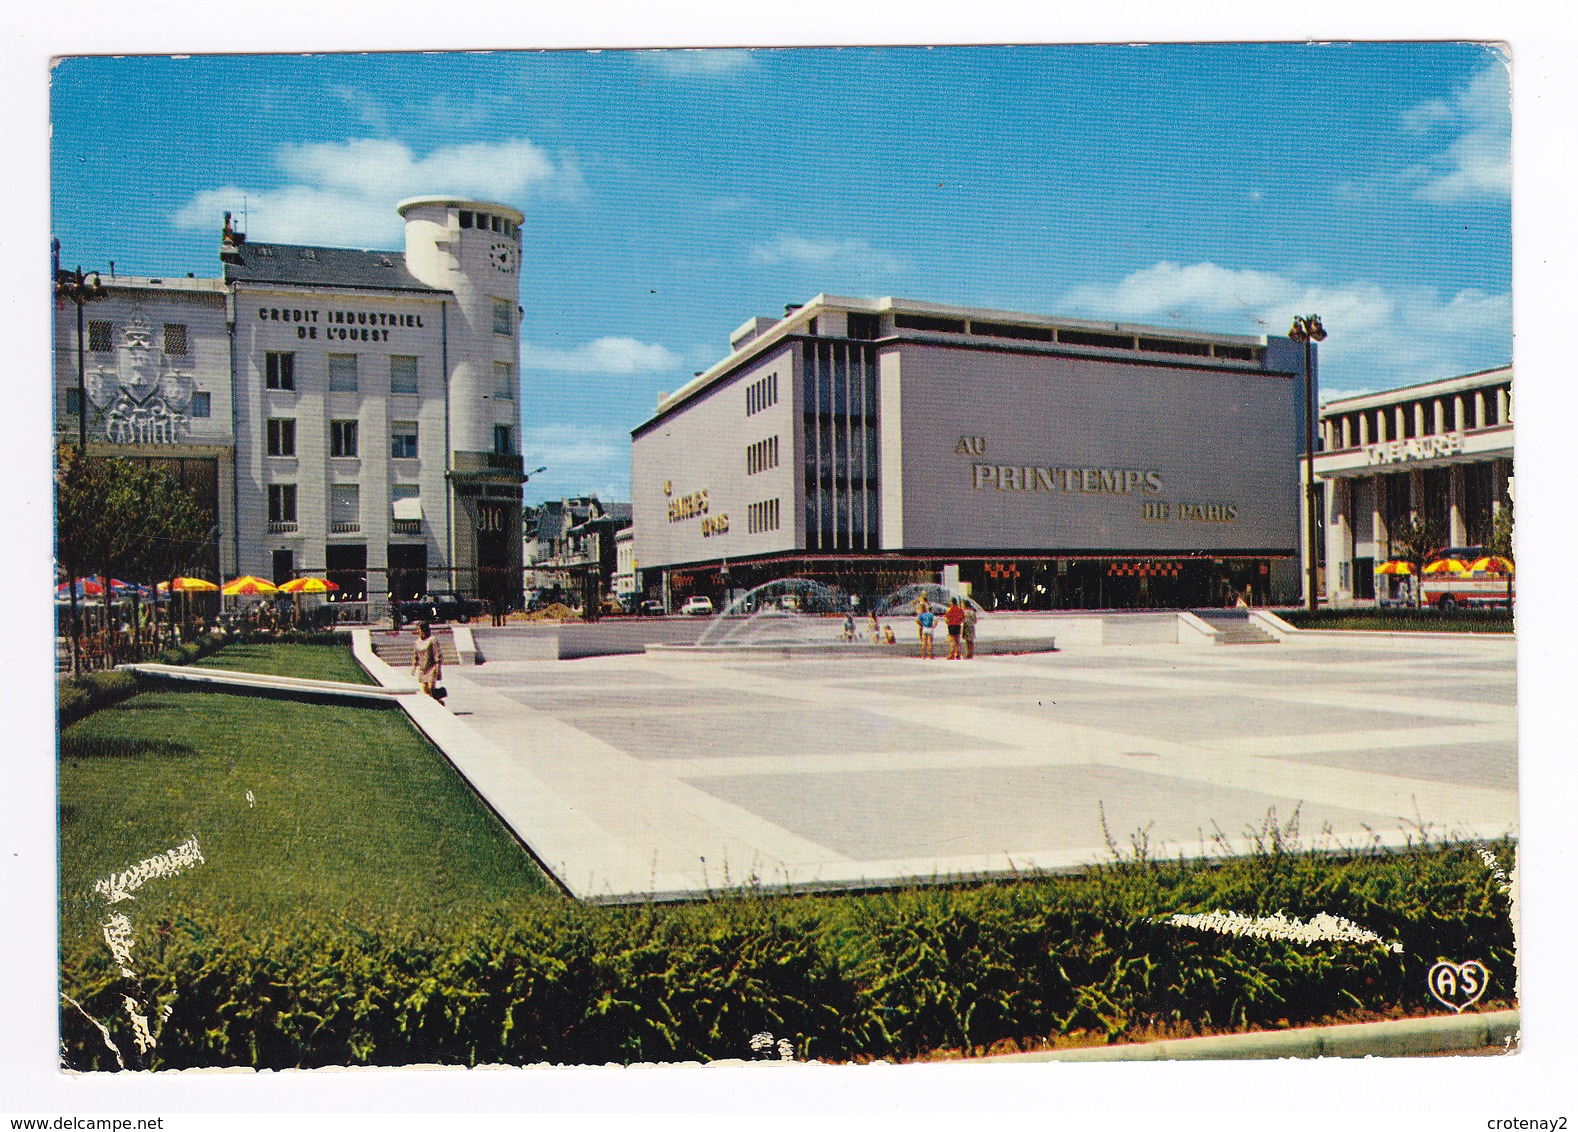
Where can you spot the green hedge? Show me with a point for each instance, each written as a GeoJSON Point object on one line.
{"type": "Point", "coordinates": [1392, 619]}
{"type": "Point", "coordinates": [900, 974]}
{"type": "Point", "coordinates": [79, 696]}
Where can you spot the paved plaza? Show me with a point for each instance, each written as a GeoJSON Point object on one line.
{"type": "Point", "coordinates": [647, 775]}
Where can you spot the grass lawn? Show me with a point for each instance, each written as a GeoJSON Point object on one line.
{"type": "Point", "coordinates": [350, 812]}
{"type": "Point", "coordinates": [1401, 620]}
{"type": "Point", "coordinates": [313, 662]}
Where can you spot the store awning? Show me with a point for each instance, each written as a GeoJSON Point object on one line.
{"type": "Point", "coordinates": [408, 508]}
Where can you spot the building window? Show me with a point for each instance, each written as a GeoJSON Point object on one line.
{"type": "Point", "coordinates": [760, 394]}
{"type": "Point", "coordinates": [504, 380]}
{"type": "Point", "coordinates": [342, 373]}
{"type": "Point", "coordinates": [402, 374]}
{"type": "Point", "coordinates": [761, 456]}
{"type": "Point", "coordinates": [101, 336]}
{"type": "Point", "coordinates": [342, 438]}
{"type": "Point", "coordinates": [402, 441]}
{"type": "Point", "coordinates": [282, 503]}
{"type": "Point", "coordinates": [345, 508]}
{"type": "Point", "coordinates": [202, 404]}
{"type": "Point", "coordinates": [862, 325]}
{"type": "Point", "coordinates": [502, 322]}
{"type": "Point", "coordinates": [279, 371]}
{"type": "Point", "coordinates": [465, 218]}
{"type": "Point", "coordinates": [175, 338]}
{"type": "Point", "coordinates": [503, 440]}
{"type": "Point", "coordinates": [762, 516]}
{"type": "Point", "coordinates": [281, 436]}
{"type": "Point", "coordinates": [284, 566]}
{"type": "Point", "coordinates": [405, 491]}
{"type": "Point", "coordinates": [929, 322]}
{"type": "Point", "coordinates": [73, 402]}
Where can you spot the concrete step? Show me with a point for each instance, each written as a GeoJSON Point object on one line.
{"type": "Point", "coordinates": [395, 651]}
{"type": "Point", "coordinates": [1234, 627]}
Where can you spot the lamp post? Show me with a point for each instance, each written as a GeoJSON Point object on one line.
{"type": "Point", "coordinates": [1308, 330]}
{"type": "Point", "coordinates": [76, 287]}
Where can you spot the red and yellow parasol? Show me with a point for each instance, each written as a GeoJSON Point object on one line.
{"type": "Point", "coordinates": [248, 585]}
{"type": "Point", "coordinates": [308, 586]}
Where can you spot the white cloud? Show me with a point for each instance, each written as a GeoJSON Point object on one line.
{"type": "Point", "coordinates": [1478, 162]}
{"type": "Point", "coordinates": [1380, 337]}
{"type": "Point", "coordinates": [700, 62]}
{"type": "Point", "coordinates": [826, 253]}
{"type": "Point", "coordinates": [604, 355]}
{"type": "Point", "coordinates": [579, 460]}
{"type": "Point", "coordinates": [345, 192]}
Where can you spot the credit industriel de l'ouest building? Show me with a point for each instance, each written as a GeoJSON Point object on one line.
{"type": "Point", "coordinates": [1033, 462]}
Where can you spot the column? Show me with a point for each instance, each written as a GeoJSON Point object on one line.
{"type": "Point", "coordinates": [1437, 418]}
{"type": "Point", "coordinates": [1457, 534]}
{"type": "Point", "coordinates": [1458, 423]}
{"type": "Point", "coordinates": [1339, 541]}
{"type": "Point", "coordinates": [1416, 493]}
{"type": "Point", "coordinates": [1347, 431]}
{"type": "Point", "coordinates": [1419, 418]}
{"type": "Point", "coordinates": [1364, 430]}
{"type": "Point", "coordinates": [1479, 408]}
{"type": "Point", "coordinates": [1397, 422]}
{"type": "Point", "coordinates": [1383, 536]}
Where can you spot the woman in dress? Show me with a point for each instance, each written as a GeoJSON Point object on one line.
{"type": "Point", "coordinates": [426, 662]}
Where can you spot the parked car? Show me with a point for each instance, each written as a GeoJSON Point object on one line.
{"type": "Point", "coordinates": [441, 607]}
{"type": "Point", "coordinates": [652, 608]}
{"type": "Point", "coordinates": [698, 606]}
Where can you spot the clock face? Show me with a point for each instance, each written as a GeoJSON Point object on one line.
{"type": "Point", "coordinates": [503, 257]}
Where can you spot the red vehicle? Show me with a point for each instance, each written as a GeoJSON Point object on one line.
{"type": "Point", "coordinates": [1489, 586]}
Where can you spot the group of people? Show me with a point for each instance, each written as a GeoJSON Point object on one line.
{"type": "Point", "coordinates": [960, 620]}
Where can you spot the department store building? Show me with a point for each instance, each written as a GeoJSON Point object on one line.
{"type": "Point", "coordinates": [1441, 450]}
{"type": "Point", "coordinates": [343, 413]}
{"type": "Point", "coordinates": [1038, 462]}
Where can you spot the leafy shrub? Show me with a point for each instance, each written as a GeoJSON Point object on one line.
{"type": "Point", "coordinates": [898, 974]}
{"type": "Point", "coordinates": [79, 696]}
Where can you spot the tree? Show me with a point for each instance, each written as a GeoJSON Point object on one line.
{"type": "Point", "coordinates": [1501, 541]}
{"type": "Point", "coordinates": [114, 517]}
{"type": "Point", "coordinates": [1413, 542]}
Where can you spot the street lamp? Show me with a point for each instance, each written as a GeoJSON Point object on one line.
{"type": "Point", "coordinates": [1308, 330]}
{"type": "Point", "coordinates": [76, 287]}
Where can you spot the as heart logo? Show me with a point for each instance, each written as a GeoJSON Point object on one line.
{"type": "Point", "coordinates": [1458, 985]}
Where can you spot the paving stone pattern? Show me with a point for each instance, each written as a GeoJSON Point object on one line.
{"type": "Point", "coordinates": [651, 776]}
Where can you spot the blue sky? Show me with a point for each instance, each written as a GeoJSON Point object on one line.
{"type": "Point", "coordinates": [670, 195]}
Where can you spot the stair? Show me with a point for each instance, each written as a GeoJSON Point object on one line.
{"type": "Point", "coordinates": [1234, 627]}
{"type": "Point", "coordinates": [395, 649]}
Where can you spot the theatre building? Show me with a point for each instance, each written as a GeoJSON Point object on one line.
{"type": "Point", "coordinates": [1038, 462]}
{"type": "Point", "coordinates": [353, 413]}
{"type": "Point", "coordinates": [1441, 450]}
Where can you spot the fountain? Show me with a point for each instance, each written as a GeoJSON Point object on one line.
{"type": "Point", "coordinates": [783, 613]}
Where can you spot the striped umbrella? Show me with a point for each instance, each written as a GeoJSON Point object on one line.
{"type": "Point", "coordinates": [308, 586]}
{"type": "Point", "coordinates": [1492, 564]}
{"type": "Point", "coordinates": [85, 587]}
{"type": "Point", "coordinates": [1446, 566]}
{"type": "Point", "coordinates": [247, 584]}
{"type": "Point", "coordinates": [1396, 567]}
{"type": "Point", "coordinates": [189, 585]}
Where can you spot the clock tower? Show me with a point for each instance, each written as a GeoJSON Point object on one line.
{"type": "Point", "coordinates": [472, 249]}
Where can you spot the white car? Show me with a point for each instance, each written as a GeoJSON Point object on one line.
{"type": "Point", "coordinates": [698, 606]}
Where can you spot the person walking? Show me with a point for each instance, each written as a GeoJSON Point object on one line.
{"type": "Point", "coordinates": [968, 631]}
{"type": "Point", "coordinates": [927, 620]}
{"type": "Point", "coordinates": [427, 663]}
{"type": "Point", "coordinates": [954, 616]}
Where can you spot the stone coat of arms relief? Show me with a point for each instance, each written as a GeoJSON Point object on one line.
{"type": "Point", "coordinates": [145, 397]}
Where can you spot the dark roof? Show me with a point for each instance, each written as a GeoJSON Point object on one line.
{"type": "Point", "coordinates": [324, 267]}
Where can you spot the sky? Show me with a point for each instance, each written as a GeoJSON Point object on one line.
{"type": "Point", "coordinates": [670, 195]}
